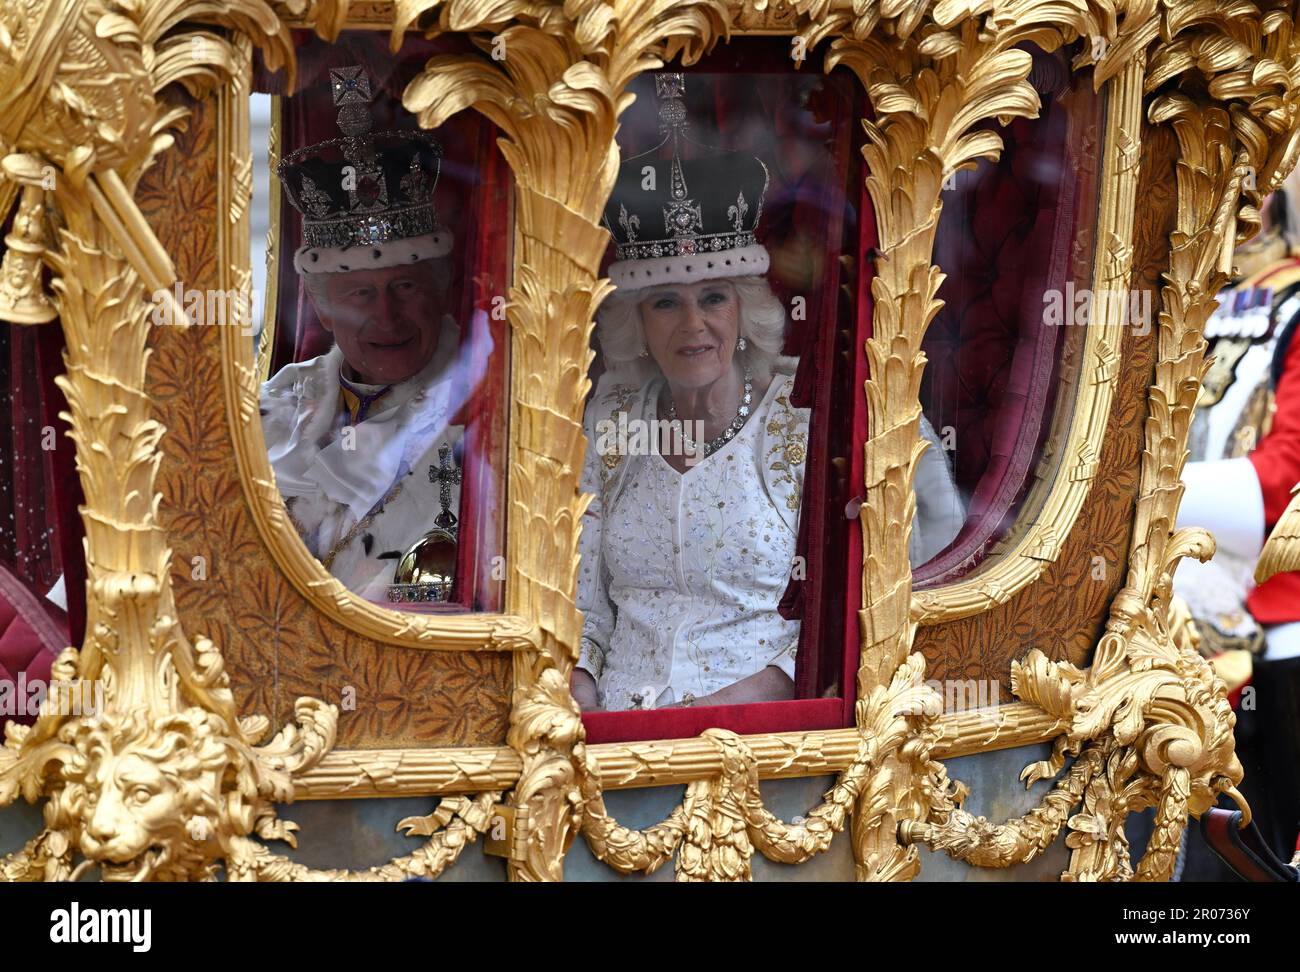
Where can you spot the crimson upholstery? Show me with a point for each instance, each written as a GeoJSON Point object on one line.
{"type": "Point", "coordinates": [40, 527]}
{"type": "Point", "coordinates": [994, 366]}
{"type": "Point", "coordinates": [32, 633]}
{"type": "Point", "coordinates": [41, 532]}
{"type": "Point", "coordinates": [684, 723]}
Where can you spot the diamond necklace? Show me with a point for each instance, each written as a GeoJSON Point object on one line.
{"type": "Point", "coordinates": [728, 433]}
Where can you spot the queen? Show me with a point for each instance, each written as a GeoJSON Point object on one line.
{"type": "Point", "coordinates": [687, 549]}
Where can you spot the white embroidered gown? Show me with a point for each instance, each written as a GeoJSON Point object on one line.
{"type": "Point", "coordinates": [331, 482]}
{"type": "Point", "coordinates": [681, 572]}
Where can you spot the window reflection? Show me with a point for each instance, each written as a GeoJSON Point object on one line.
{"type": "Point", "coordinates": [1015, 243]}
{"type": "Point", "coordinates": [384, 411]}
{"type": "Point", "coordinates": [699, 432]}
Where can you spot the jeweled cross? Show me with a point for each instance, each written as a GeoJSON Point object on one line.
{"type": "Point", "coordinates": [446, 474]}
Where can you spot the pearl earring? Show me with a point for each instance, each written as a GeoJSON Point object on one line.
{"type": "Point", "coordinates": [644, 352]}
{"type": "Point", "coordinates": [741, 344]}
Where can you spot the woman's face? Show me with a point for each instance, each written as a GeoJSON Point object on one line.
{"type": "Point", "coordinates": [691, 330]}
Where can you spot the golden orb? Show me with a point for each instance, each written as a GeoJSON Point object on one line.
{"type": "Point", "coordinates": [427, 570]}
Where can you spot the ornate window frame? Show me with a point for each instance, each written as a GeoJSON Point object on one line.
{"type": "Point", "coordinates": [242, 374]}
{"type": "Point", "coordinates": [1146, 724]}
{"type": "Point", "coordinates": [1042, 531]}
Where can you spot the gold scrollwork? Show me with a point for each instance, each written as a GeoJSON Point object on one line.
{"type": "Point", "coordinates": [929, 88]}
{"type": "Point", "coordinates": [1042, 539]}
{"type": "Point", "coordinates": [1150, 711]}
{"type": "Point", "coordinates": [927, 95]}
{"type": "Point", "coordinates": [161, 779]}
{"type": "Point", "coordinates": [1147, 724]}
{"type": "Point", "coordinates": [242, 375]}
{"type": "Point", "coordinates": [556, 100]}
{"type": "Point", "coordinates": [1282, 551]}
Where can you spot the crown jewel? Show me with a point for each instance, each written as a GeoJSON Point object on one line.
{"type": "Point", "coordinates": [362, 188]}
{"type": "Point", "coordinates": [663, 209]}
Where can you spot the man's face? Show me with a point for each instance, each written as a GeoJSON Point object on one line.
{"type": "Point", "coordinates": [386, 322]}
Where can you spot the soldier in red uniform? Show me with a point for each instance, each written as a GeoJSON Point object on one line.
{"type": "Point", "coordinates": [1245, 451]}
{"type": "Point", "coordinates": [1275, 604]}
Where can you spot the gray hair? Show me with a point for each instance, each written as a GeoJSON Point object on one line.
{"type": "Point", "coordinates": [762, 325]}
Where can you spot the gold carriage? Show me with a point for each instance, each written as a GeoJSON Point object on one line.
{"type": "Point", "coordinates": [1006, 704]}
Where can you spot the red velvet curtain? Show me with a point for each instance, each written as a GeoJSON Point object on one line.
{"type": "Point", "coordinates": [40, 524]}
{"type": "Point", "coordinates": [474, 199]}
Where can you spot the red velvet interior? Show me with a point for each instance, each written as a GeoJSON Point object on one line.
{"type": "Point", "coordinates": [753, 717]}
{"type": "Point", "coordinates": [32, 633]}
{"type": "Point", "coordinates": [993, 369]}
{"type": "Point", "coordinates": [39, 497]}
{"type": "Point", "coordinates": [40, 490]}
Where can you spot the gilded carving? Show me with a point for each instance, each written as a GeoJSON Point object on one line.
{"type": "Point", "coordinates": [1149, 703]}
{"type": "Point", "coordinates": [276, 647]}
{"type": "Point", "coordinates": [1091, 564]}
{"type": "Point", "coordinates": [22, 298]}
{"type": "Point", "coordinates": [164, 776]}
{"type": "Point", "coordinates": [173, 781]}
{"type": "Point", "coordinates": [455, 823]}
{"type": "Point", "coordinates": [567, 71]}
{"type": "Point", "coordinates": [1282, 551]}
{"type": "Point", "coordinates": [929, 92]}
{"type": "Point", "coordinates": [721, 820]}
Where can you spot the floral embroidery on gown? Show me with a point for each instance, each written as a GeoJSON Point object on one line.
{"type": "Point", "coordinates": [682, 571]}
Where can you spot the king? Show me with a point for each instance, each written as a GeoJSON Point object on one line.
{"type": "Point", "coordinates": [357, 435]}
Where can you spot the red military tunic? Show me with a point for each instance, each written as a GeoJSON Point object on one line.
{"type": "Point", "coordinates": [1277, 464]}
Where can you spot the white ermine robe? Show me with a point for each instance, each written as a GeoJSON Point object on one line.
{"type": "Point", "coordinates": [328, 487]}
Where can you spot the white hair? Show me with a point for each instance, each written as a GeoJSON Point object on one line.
{"type": "Point", "coordinates": [762, 325]}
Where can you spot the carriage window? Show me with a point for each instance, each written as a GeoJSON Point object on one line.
{"type": "Point", "coordinates": [384, 346]}
{"type": "Point", "coordinates": [1016, 245]}
{"type": "Point", "coordinates": [715, 452]}
{"type": "Point", "coordinates": [721, 557]}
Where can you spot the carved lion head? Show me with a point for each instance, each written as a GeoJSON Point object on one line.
{"type": "Point", "coordinates": [144, 800]}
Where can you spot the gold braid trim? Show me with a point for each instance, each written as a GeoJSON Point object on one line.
{"type": "Point", "coordinates": [721, 821]}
